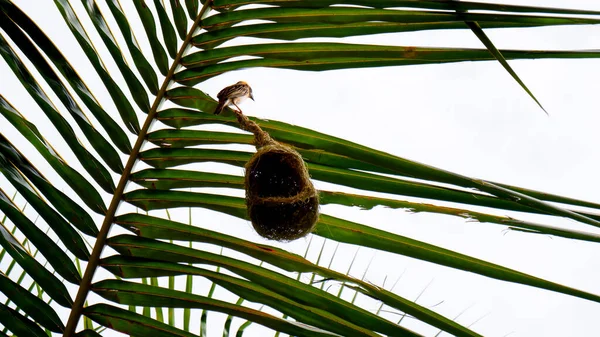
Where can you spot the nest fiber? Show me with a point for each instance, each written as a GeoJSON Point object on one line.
{"type": "Point", "coordinates": [281, 200]}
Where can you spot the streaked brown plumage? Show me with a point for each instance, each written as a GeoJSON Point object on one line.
{"type": "Point", "coordinates": [233, 95]}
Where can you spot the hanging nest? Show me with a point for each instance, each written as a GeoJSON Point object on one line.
{"type": "Point", "coordinates": [281, 200]}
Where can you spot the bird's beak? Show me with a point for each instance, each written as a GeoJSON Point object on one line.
{"type": "Point", "coordinates": [251, 97]}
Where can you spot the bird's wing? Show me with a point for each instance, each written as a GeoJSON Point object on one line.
{"type": "Point", "coordinates": [226, 91]}
{"type": "Point", "coordinates": [232, 90]}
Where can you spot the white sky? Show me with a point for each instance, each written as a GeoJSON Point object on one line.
{"type": "Point", "coordinates": [469, 118]}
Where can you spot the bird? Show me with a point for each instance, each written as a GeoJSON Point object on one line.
{"type": "Point", "coordinates": [233, 94]}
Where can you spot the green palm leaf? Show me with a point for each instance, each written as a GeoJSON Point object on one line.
{"type": "Point", "coordinates": [168, 49]}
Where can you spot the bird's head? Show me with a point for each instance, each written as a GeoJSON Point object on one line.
{"type": "Point", "coordinates": [249, 87]}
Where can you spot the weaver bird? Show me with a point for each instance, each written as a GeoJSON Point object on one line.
{"type": "Point", "coordinates": [233, 94]}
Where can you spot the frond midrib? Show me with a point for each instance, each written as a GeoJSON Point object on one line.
{"type": "Point", "coordinates": [93, 263]}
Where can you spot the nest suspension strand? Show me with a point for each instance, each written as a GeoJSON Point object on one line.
{"type": "Point", "coordinates": [282, 202]}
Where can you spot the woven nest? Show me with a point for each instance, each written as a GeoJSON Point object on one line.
{"type": "Point", "coordinates": [281, 200]}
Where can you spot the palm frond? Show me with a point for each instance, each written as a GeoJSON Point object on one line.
{"type": "Point", "coordinates": [168, 49]}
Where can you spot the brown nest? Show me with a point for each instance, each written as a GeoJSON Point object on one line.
{"type": "Point", "coordinates": [281, 200]}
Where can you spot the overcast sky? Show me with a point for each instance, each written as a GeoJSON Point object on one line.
{"type": "Point", "coordinates": [469, 118]}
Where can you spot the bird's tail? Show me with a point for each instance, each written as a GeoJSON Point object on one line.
{"type": "Point", "coordinates": [219, 108]}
